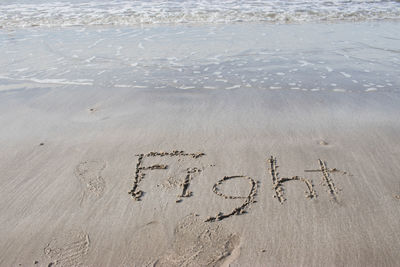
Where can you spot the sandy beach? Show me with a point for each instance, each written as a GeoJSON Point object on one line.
{"type": "Point", "coordinates": [106, 161]}
{"type": "Point", "coordinates": [67, 173]}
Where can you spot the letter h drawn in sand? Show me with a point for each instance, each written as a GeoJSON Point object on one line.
{"type": "Point", "coordinates": [139, 172]}
{"type": "Point", "coordinates": [278, 182]}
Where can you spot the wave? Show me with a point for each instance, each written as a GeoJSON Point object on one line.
{"type": "Point", "coordinates": [117, 12]}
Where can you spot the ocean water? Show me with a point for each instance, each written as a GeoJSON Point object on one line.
{"type": "Point", "coordinates": [50, 13]}
{"type": "Point", "coordinates": [312, 57]}
{"type": "Point", "coordinates": [309, 45]}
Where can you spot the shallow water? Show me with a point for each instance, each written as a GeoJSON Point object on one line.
{"type": "Point", "coordinates": [341, 57]}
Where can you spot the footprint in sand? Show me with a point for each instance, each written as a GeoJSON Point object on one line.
{"type": "Point", "coordinates": [148, 242]}
{"type": "Point", "coordinates": [198, 243]}
{"type": "Point", "coordinates": [90, 174]}
{"type": "Point", "coordinates": [68, 249]}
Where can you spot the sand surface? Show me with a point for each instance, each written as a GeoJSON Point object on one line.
{"type": "Point", "coordinates": [106, 161]}
{"type": "Point", "coordinates": [66, 174]}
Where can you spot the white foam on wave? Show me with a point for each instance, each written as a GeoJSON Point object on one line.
{"type": "Point", "coordinates": [24, 13]}
{"type": "Point", "coordinates": [339, 90]}
{"type": "Point", "coordinates": [62, 81]}
{"type": "Point", "coordinates": [233, 87]}
{"type": "Point", "coordinates": [345, 74]}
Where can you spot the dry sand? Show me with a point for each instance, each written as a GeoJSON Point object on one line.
{"type": "Point", "coordinates": [100, 177]}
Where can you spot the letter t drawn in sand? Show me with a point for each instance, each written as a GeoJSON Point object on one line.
{"type": "Point", "coordinates": [278, 182]}
{"type": "Point", "coordinates": [139, 172]}
{"type": "Point", "coordinates": [326, 178]}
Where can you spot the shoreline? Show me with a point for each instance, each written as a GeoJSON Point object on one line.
{"type": "Point", "coordinates": [358, 57]}
{"type": "Point", "coordinates": [96, 171]}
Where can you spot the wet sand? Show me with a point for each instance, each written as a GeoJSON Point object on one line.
{"type": "Point", "coordinates": [193, 145]}
{"type": "Point", "coordinates": [139, 177]}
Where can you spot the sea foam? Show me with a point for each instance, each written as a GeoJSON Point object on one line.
{"type": "Point", "coordinates": [121, 12]}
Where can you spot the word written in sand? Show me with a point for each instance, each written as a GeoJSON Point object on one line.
{"type": "Point", "coordinates": [277, 182]}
